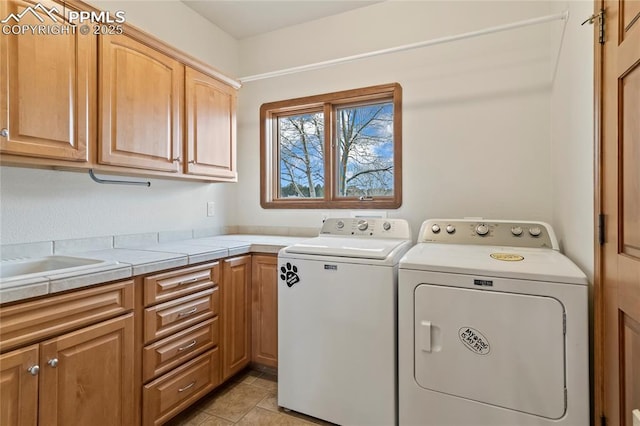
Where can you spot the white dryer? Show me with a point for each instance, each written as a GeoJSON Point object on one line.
{"type": "Point", "coordinates": [492, 328]}
{"type": "Point", "coordinates": [337, 299]}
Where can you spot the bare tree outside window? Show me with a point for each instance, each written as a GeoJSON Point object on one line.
{"type": "Point", "coordinates": [365, 143]}
{"type": "Point", "coordinates": [337, 150]}
{"type": "Point", "coordinates": [301, 139]}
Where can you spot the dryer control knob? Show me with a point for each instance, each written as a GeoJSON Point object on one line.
{"type": "Point", "coordinates": [516, 230]}
{"type": "Point", "coordinates": [435, 228]}
{"type": "Point", "coordinates": [340, 224]}
{"type": "Point", "coordinates": [386, 226]}
{"type": "Point", "coordinates": [535, 231]}
{"type": "Point", "coordinates": [363, 225]}
{"type": "Point", "coordinates": [451, 229]}
{"type": "Point", "coordinates": [482, 229]}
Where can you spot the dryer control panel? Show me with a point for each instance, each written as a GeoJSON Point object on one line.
{"type": "Point", "coordinates": [367, 227]}
{"type": "Point", "coordinates": [488, 233]}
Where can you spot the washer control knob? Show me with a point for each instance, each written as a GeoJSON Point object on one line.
{"type": "Point", "coordinates": [451, 229]}
{"type": "Point", "coordinates": [363, 225]}
{"type": "Point", "coordinates": [339, 224]}
{"type": "Point", "coordinates": [482, 229]}
{"type": "Point", "coordinates": [516, 230]}
{"type": "Point", "coordinates": [386, 226]}
{"type": "Point", "coordinates": [435, 228]}
{"type": "Point", "coordinates": [535, 231]}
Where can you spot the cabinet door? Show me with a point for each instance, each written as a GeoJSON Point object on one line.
{"type": "Point", "coordinates": [236, 315]}
{"type": "Point", "coordinates": [87, 376]}
{"type": "Point", "coordinates": [264, 311]}
{"type": "Point", "coordinates": [47, 85]}
{"type": "Point", "coordinates": [19, 387]}
{"type": "Point", "coordinates": [210, 126]}
{"type": "Point", "coordinates": [141, 97]}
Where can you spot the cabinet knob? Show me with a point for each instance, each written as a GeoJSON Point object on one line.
{"type": "Point", "coordinates": [176, 160]}
{"type": "Point", "coordinates": [34, 370]}
{"type": "Point", "coordinates": [192, 162]}
{"type": "Point", "coordinates": [53, 362]}
{"type": "Point", "coordinates": [4, 133]}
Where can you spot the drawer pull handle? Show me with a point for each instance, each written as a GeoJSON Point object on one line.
{"type": "Point", "coordinates": [189, 386]}
{"type": "Point", "coordinates": [187, 313]}
{"type": "Point", "coordinates": [191, 280]}
{"type": "Point", "coordinates": [190, 345]}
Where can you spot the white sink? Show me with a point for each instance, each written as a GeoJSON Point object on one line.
{"type": "Point", "coordinates": [42, 266]}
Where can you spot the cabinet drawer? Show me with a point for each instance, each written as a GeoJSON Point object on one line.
{"type": "Point", "coordinates": [169, 285]}
{"type": "Point", "coordinates": [167, 353]}
{"type": "Point", "coordinates": [32, 321]}
{"type": "Point", "coordinates": [166, 396]}
{"type": "Point", "coordinates": [167, 318]}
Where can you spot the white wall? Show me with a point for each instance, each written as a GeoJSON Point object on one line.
{"type": "Point", "coordinates": [572, 135]}
{"type": "Point", "coordinates": [476, 113]}
{"type": "Point", "coordinates": [39, 205]}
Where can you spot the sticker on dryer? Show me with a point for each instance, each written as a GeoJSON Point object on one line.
{"type": "Point", "coordinates": [474, 340]}
{"type": "Point", "coordinates": [507, 257]}
{"type": "Point", "coordinates": [289, 274]}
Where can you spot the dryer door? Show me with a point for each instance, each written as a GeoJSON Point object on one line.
{"type": "Point", "coordinates": [496, 348]}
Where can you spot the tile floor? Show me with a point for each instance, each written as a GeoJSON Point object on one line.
{"type": "Point", "coordinates": [248, 399]}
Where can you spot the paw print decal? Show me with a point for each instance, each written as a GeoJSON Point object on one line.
{"type": "Point", "coordinates": [289, 274]}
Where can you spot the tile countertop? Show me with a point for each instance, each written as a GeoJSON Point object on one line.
{"type": "Point", "coordinates": [134, 259]}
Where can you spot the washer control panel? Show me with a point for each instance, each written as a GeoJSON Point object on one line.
{"type": "Point", "coordinates": [488, 232]}
{"type": "Point", "coordinates": [367, 227]}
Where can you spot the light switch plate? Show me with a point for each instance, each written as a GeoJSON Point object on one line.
{"type": "Point", "coordinates": [211, 208]}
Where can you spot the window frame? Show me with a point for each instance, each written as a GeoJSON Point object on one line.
{"type": "Point", "coordinates": [269, 181]}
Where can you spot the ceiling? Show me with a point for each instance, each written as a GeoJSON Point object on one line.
{"type": "Point", "coordinates": [247, 18]}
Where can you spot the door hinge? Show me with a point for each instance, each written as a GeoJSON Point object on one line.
{"type": "Point", "coordinates": [600, 17]}
{"type": "Point", "coordinates": [601, 229]}
{"type": "Point", "coordinates": [603, 420]}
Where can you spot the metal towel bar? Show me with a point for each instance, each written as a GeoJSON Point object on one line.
{"type": "Point", "coordinates": [116, 182]}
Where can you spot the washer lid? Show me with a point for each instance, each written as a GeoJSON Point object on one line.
{"type": "Point", "coordinates": [508, 262]}
{"type": "Point", "coordinates": [362, 248]}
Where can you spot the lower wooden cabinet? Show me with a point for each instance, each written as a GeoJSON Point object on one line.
{"type": "Point", "coordinates": [180, 339]}
{"type": "Point", "coordinates": [236, 315]}
{"type": "Point", "coordinates": [82, 377]}
{"type": "Point", "coordinates": [80, 357]}
{"type": "Point", "coordinates": [69, 358]}
{"type": "Point", "coordinates": [264, 310]}
{"type": "Point", "coordinates": [19, 387]}
{"type": "Point", "coordinates": [169, 394]}
{"type": "Point", "coordinates": [87, 375]}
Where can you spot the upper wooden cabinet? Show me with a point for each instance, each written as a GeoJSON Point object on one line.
{"type": "Point", "coordinates": [114, 103]}
{"type": "Point", "coordinates": [141, 100]}
{"type": "Point", "coordinates": [47, 89]}
{"type": "Point", "coordinates": [210, 107]}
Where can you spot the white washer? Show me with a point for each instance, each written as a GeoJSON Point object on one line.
{"type": "Point", "coordinates": [337, 321]}
{"type": "Point", "coordinates": [492, 328]}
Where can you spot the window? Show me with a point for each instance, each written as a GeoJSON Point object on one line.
{"type": "Point", "coordinates": [339, 150]}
